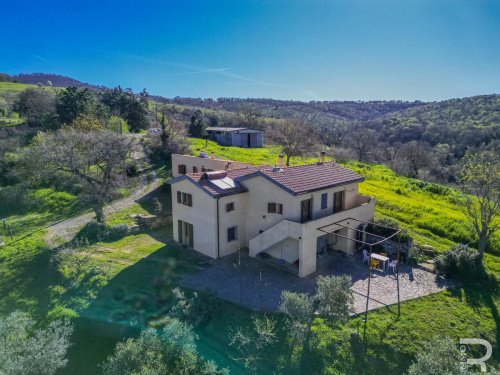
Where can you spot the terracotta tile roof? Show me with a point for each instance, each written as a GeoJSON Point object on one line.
{"type": "Point", "coordinates": [232, 174]}
{"type": "Point", "coordinates": [307, 178]}
{"type": "Point", "coordinates": [296, 180]}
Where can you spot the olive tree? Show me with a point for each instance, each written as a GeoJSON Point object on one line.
{"type": "Point", "coordinates": [171, 350]}
{"type": "Point", "coordinates": [26, 349]}
{"type": "Point", "coordinates": [96, 160]}
{"type": "Point", "coordinates": [479, 179]}
{"type": "Point", "coordinates": [294, 136]}
{"type": "Point", "coordinates": [439, 356]}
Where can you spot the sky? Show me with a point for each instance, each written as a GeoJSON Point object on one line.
{"type": "Point", "coordinates": [296, 49]}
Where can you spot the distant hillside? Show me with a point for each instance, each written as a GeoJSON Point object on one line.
{"type": "Point", "coordinates": [46, 79]}
{"type": "Point", "coordinates": [313, 110]}
{"type": "Point", "coordinates": [461, 123]}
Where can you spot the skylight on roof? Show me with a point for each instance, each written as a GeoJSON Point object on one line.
{"type": "Point", "coordinates": [224, 183]}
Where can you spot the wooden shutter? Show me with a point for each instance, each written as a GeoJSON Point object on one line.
{"type": "Point", "coordinates": [179, 197]}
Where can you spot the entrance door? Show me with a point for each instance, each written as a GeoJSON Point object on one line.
{"type": "Point", "coordinates": [185, 233]}
{"type": "Point", "coordinates": [306, 210]}
{"type": "Point", "coordinates": [338, 201]}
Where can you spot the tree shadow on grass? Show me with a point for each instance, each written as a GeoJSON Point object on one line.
{"type": "Point", "coordinates": [25, 282]}
{"type": "Point", "coordinates": [134, 298]}
{"type": "Point", "coordinates": [486, 295]}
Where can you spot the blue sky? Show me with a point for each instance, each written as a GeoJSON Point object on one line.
{"type": "Point", "coordinates": [308, 50]}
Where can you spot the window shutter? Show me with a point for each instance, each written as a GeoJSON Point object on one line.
{"type": "Point", "coordinates": [182, 169]}
{"type": "Point", "coordinates": [271, 208]}
{"type": "Point", "coordinates": [189, 200]}
{"type": "Point", "coordinates": [179, 197]}
{"type": "Point", "coordinates": [279, 208]}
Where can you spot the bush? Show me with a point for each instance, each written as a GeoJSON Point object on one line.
{"type": "Point", "coordinates": [93, 231]}
{"type": "Point", "coordinates": [117, 231]}
{"type": "Point", "coordinates": [13, 199]}
{"type": "Point", "coordinates": [386, 232]}
{"type": "Point", "coordinates": [461, 262]}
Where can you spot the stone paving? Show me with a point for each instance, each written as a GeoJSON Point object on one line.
{"type": "Point", "coordinates": [256, 285]}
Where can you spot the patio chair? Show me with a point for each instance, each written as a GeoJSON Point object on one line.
{"type": "Point", "coordinates": [366, 256]}
{"type": "Point", "coordinates": [392, 265]}
{"type": "Point", "coordinates": [374, 263]}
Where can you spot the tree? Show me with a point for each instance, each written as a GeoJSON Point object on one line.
{"type": "Point", "coordinates": [248, 116]}
{"type": "Point", "coordinates": [35, 104]}
{"type": "Point", "coordinates": [197, 125]}
{"type": "Point", "coordinates": [362, 141]}
{"type": "Point", "coordinates": [440, 356]}
{"type": "Point", "coordinates": [169, 351]}
{"type": "Point", "coordinates": [96, 159]}
{"type": "Point", "coordinates": [295, 137]}
{"type": "Point", "coordinates": [254, 342]}
{"type": "Point", "coordinates": [124, 103]}
{"type": "Point", "coordinates": [479, 179]}
{"type": "Point", "coordinates": [87, 123]}
{"type": "Point", "coordinates": [298, 309]}
{"type": "Point", "coordinates": [417, 154]}
{"type": "Point", "coordinates": [335, 297]}
{"type": "Point", "coordinates": [25, 349]}
{"type": "Point", "coordinates": [73, 102]}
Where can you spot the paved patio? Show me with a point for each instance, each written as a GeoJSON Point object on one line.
{"type": "Point", "coordinates": [256, 285]}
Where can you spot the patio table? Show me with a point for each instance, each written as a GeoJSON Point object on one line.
{"type": "Point", "coordinates": [381, 258]}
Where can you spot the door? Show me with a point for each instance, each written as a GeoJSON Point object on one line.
{"type": "Point", "coordinates": [306, 210]}
{"type": "Point", "coordinates": [185, 233]}
{"type": "Point", "coordinates": [338, 201]}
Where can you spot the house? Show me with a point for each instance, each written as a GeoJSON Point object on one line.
{"type": "Point", "coordinates": [239, 137]}
{"type": "Point", "coordinates": [287, 215]}
{"type": "Point", "coordinates": [183, 164]}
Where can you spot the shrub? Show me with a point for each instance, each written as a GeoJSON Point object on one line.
{"type": "Point", "coordinates": [117, 231]}
{"type": "Point", "coordinates": [93, 231]}
{"type": "Point", "coordinates": [461, 262]}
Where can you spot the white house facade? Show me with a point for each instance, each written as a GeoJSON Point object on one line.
{"type": "Point", "coordinates": [291, 215]}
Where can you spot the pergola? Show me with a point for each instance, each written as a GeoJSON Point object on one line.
{"type": "Point", "coordinates": [381, 239]}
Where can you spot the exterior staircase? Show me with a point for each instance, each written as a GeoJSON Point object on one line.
{"type": "Point", "coordinates": [277, 233]}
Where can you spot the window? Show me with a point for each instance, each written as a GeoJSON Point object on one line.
{"type": "Point", "coordinates": [324, 200]}
{"type": "Point", "coordinates": [187, 199]}
{"type": "Point", "coordinates": [195, 170]}
{"type": "Point", "coordinates": [184, 198]}
{"type": "Point", "coordinates": [230, 207]}
{"type": "Point", "coordinates": [181, 168]}
{"type": "Point", "coordinates": [275, 208]}
{"type": "Point", "coordinates": [338, 201]}
{"type": "Point", "coordinates": [232, 234]}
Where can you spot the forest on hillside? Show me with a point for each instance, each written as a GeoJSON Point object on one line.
{"type": "Point", "coordinates": [416, 139]}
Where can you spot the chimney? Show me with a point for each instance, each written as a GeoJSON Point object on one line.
{"type": "Point", "coordinates": [281, 164]}
{"type": "Point", "coordinates": [322, 157]}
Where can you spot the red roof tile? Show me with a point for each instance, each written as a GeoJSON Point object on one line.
{"type": "Point", "coordinates": [306, 178]}
{"type": "Point", "coordinates": [296, 180]}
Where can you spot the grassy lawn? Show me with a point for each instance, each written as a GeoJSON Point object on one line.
{"type": "Point", "coordinates": [392, 341]}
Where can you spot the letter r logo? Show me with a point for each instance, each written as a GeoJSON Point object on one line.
{"type": "Point", "coordinates": [481, 361]}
